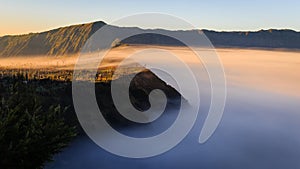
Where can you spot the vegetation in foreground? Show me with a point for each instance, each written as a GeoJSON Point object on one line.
{"type": "Point", "coordinates": [38, 119]}
{"type": "Point", "coordinates": [31, 130]}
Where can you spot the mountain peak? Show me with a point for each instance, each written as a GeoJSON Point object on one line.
{"type": "Point", "coordinates": [70, 39]}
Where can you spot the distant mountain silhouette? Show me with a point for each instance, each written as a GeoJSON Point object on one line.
{"type": "Point", "coordinates": [271, 38]}
{"type": "Point", "coordinates": [68, 40]}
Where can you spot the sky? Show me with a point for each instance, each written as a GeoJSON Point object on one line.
{"type": "Point", "coordinates": [21, 17]}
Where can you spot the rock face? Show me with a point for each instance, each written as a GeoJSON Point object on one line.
{"type": "Point", "coordinates": [66, 40]}
{"type": "Point", "coordinates": [140, 87]}
{"type": "Point", "coordinates": [69, 40]}
{"type": "Point", "coordinates": [272, 38]}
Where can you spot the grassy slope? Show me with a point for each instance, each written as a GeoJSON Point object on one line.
{"type": "Point", "coordinates": [59, 41]}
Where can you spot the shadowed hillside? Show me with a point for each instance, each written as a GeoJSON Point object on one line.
{"type": "Point", "coordinates": [68, 40]}
{"type": "Point", "coordinates": [271, 38]}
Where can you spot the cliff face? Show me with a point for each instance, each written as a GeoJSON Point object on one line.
{"type": "Point", "coordinates": [264, 39]}
{"type": "Point", "coordinates": [140, 87]}
{"type": "Point", "coordinates": [68, 40]}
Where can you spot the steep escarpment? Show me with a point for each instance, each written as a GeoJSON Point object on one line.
{"type": "Point", "coordinates": [140, 87]}
{"type": "Point", "coordinates": [271, 38]}
{"type": "Point", "coordinates": [71, 39]}
{"type": "Point", "coordinates": [61, 41]}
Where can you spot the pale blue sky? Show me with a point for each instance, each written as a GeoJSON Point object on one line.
{"type": "Point", "coordinates": [24, 16]}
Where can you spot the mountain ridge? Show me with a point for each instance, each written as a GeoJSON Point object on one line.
{"type": "Point", "coordinates": [70, 39]}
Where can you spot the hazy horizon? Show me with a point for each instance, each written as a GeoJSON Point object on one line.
{"type": "Point", "coordinates": [20, 17]}
{"type": "Point", "coordinates": [149, 28]}
{"type": "Point", "coordinates": [262, 68]}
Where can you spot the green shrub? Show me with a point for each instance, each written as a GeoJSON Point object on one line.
{"type": "Point", "coordinates": [30, 134]}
